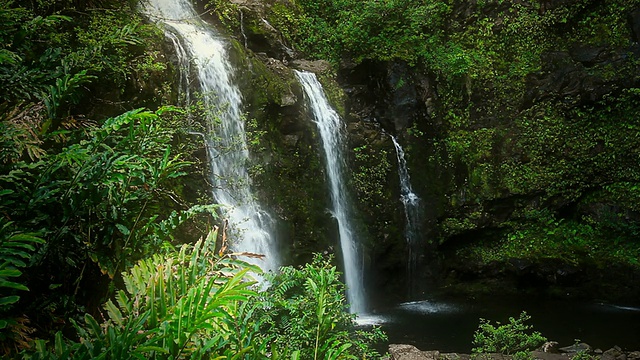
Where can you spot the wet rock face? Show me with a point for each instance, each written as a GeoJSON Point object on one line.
{"type": "Point", "coordinates": [395, 98]}
{"type": "Point", "coordinates": [256, 33]}
{"type": "Point", "coordinates": [634, 20]}
{"type": "Point", "coordinates": [410, 352]}
{"type": "Point", "coordinates": [391, 94]}
{"type": "Point", "coordinates": [571, 75]}
{"type": "Point", "coordinates": [553, 278]}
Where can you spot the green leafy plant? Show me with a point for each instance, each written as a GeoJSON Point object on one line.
{"type": "Point", "coordinates": [187, 304]}
{"type": "Point", "coordinates": [66, 91]}
{"type": "Point", "coordinates": [115, 179]}
{"type": "Point", "coordinates": [514, 337]}
{"type": "Point", "coordinates": [15, 251]}
{"type": "Point", "coordinates": [104, 198]}
{"type": "Point", "coordinates": [306, 310]}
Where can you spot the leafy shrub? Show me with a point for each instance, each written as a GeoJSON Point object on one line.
{"type": "Point", "coordinates": [16, 249]}
{"type": "Point", "coordinates": [186, 304]}
{"type": "Point", "coordinates": [100, 197]}
{"type": "Point", "coordinates": [306, 310]}
{"type": "Point", "coordinates": [47, 56]}
{"type": "Point", "coordinates": [513, 338]}
{"type": "Point", "coordinates": [193, 303]}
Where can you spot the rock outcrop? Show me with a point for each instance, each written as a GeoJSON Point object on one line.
{"type": "Point", "coordinates": [581, 351]}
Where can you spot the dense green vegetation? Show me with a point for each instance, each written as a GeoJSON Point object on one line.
{"type": "Point", "coordinates": [513, 338]}
{"type": "Point", "coordinates": [97, 194]}
{"type": "Point", "coordinates": [82, 197]}
{"type": "Point", "coordinates": [95, 202]}
{"type": "Point", "coordinates": [192, 303]}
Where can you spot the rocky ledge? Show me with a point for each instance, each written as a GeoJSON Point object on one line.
{"type": "Point", "coordinates": [549, 351]}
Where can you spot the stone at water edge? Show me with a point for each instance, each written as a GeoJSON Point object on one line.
{"type": "Point", "coordinates": [581, 347]}
{"type": "Point", "coordinates": [615, 353]}
{"type": "Point", "coordinates": [635, 355]}
{"type": "Point", "coordinates": [550, 347]}
{"type": "Point", "coordinates": [410, 352]}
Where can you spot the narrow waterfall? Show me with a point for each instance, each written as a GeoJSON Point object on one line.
{"type": "Point", "coordinates": [331, 131]}
{"type": "Point", "coordinates": [199, 44]}
{"type": "Point", "coordinates": [413, 214]}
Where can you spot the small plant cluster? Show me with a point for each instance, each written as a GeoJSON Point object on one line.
{"type": "Point", "coordinates": [514, 338]}
{"type": "Point", "coordinates": [306, 310]}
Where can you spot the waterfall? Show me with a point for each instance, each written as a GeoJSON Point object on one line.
{"type": "Point", "coordinates": [332, 133]}
{"type": "Point", "coordinates": [199, 44]}
{"type": "Point", "coordinates": [412, 211]}
{"type": "Point", "coordinates": [244, 36]}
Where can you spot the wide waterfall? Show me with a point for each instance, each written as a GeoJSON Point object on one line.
{"type": "Point", "coordinates": [412, 211]}
{"type": "Point", "coordinates": [199, 44]}
{"type": "Point", "coordinates": [331, 131]}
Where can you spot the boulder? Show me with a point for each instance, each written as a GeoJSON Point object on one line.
{"type": "Point", "coordinates": [549, 347]}
{"type": "Point", "coordinates": [577, 348]}
{"type": "Point", "coordinates": [615, 353]}
{"type": "Point", "coordinates": [257, 33]}
{"type": "Point", "coordinates": [635, 355]}
{"type": "Point", "coordinates": [317, 66]}
{"type": "Point", "coordinates": [541, 355]}
{"type": "Point", "coordinates": [410, 352]}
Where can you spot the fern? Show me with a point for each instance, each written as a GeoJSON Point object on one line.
{"type": "Point", "coordinates": [306, 308]}
{"type": "Point", "coordinates": [16, 248]}
{"type": "Point", "coordinates": [65, 91]}
{"type": "Point", "coordinates": [182, 305]}
{"type": "Point", "coordinates": [15, 251]}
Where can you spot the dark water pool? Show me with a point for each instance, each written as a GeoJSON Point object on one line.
{"type": "Point", "coordinates": [448, 325]}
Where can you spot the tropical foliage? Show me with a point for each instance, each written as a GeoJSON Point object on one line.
{"type": "Point", "coordinates": [512, 338]}
{"type": "Point", "coordinates": [87, 195]}
{"type": "Point", "coordinates": [193, 303]}
{"type": "Point", "coordinates": [91, 184]}
{"type": "Point", "coordinates": [101, 200]}
{"type": "Point", "coordinates": [186, 304]}
{"type": "Point", "coordinates": [306, 310]}
{"type": "Point", "coordinates": [53, 51]}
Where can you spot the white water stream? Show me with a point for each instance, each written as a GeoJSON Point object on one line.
{"type": "Point", "coordinates": [331, 131]}
{"type": "Point", "coordinates": [198, 44]}
{"type": "Point", "coordinates": [412, 211]}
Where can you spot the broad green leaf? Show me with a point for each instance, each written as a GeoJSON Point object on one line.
{"type": "Point", "coordinates": [10, 273]}
{"type": "Point", "coordinates": [123, 229]}
{"type": "Point", "coordinates": [8, 300]}
{"type": "Point", "coordinates": [12, 285]}
{"type": "Point", "coordinates": [114, 313]}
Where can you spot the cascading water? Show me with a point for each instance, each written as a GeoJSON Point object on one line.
{"type": "Point", "coordinates": [412, 211]}
{"type": "Point", "coordinates": [184, 66]}
{"type": "Point", "coordinates": [331, 131]}
{"type": "Point", "coordinates": [244, 36]}
{"type": "Point", "coordinates": [198, 43]}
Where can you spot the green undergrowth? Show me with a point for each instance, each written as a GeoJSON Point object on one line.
{"type": "Point", "coordinates": [543, 236]}
{"type": "Point", "coordinates": [49, 48]}
{"type": "Point", "coordinates": [513, 338]}
{"type": "Point", "coordinates": [195, 303]}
